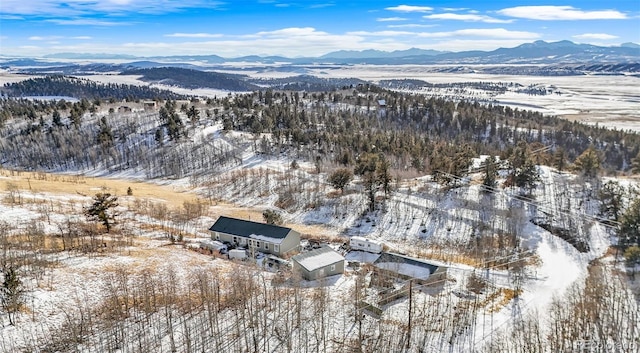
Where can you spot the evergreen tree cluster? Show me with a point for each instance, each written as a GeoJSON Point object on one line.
{"type": "Point", "coordinates": [58, 85]}
{"type": "Point", "coordinates": [189, 78]}
{"type": "Point", "coordinates": [414, 133]}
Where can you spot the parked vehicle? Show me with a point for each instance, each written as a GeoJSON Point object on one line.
{"type": "Point", "coordinates": [240, 254]}
{"type": "Point", "coordinates": [214, 246]}
{"type": "Point", "coordinates": [364, 244]}
{"type": "Point", "coordinates": [273, 262]}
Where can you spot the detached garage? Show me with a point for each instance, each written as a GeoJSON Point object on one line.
{"type": "Point", "coordinates": [318, 263]}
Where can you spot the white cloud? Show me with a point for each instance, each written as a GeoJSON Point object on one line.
{"type": "Point", "coordinates": [291, 32]}
{"type": "Point", "coordinates": [10, 17]}
{"type": "Point", "coordinates": [550, 13]}
{"type": "Point", "coordinates": [492, 33]}
{"type": "Point", "coordinates": [38, 38]}
{"type": "Point", "coordinates": [409, 8]}
{"type": "Point", "coordinates": [86, 22]}
{"type": "Point", "coordinates": [412, 25]}
{"type": "Point", "coordinates": [56, 38]}
{"type": "Point", "coordinates": [291, 42]}
{"type": "Point", "coordinates": [601, 36]}
{"type": "Point", "coordinates": [383, 33]}
{"type": "Point", "coordinates": [57, 8]}
{"type": "Point", "coordinates": [321, 6]}
{"type": "Point", "coordinates": [465, 17]}
{"type": "Point", "coordinates": [498, 33]}
{"type": "Point", "coordinates": [390, 19]}
{"type": "Point", "coordinates": [194, 35]}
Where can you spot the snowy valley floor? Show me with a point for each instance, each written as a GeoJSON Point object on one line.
{"type": "Point", "coordinates": [143, 277]}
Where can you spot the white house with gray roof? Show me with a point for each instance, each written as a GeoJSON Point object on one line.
{"type": "Point", "coordinates": [255, 236]}
{"type": "Point", "coordinates": [318, 263]}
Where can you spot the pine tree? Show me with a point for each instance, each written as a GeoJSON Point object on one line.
{"type": "Point", "coordinates": [374, 170]}
{"type": "Point", "coordinates": [635, 164]}
{"type": "Point", "coordinates": [193, 114]}
{"type": "Point", "coordinates": [105, 135]}
{"type": "Point", "coordinates": [383, 175]}
{"type": "Point", "coordinates": [588, 163]}
{"type": "Point", "coordinates": [57, 119]}
{"type": "Point", "coordinates": [76, 118]}
{"type": "Point", "coordinates": [103, 210]}
{"type": "Point", "coordinates": [340, 178]}
{"type": "Point", "coordinates": [524, 172]}
{"type": "Point", "coordinates": [527, 176]}
{"type": "Point", "coordinates": [272, 217]}
{"type": "Point", "coordinates": [11, 293]}
{"type": "Point", "coordinates": [560, 159]}
{"type": "Point", "coordinates": [632, 256]}
{"type": "Point", "coordinates": [629, 231]}
{"type": "Point", "coordinates": [171, 120]}
{"type": "Point", "coordinates": [611, 201]}
{"type": "Point", "coordinates": [490, 179]}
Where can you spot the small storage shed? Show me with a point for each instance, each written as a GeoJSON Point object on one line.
{"type": "Point", "coordinates": [318, 263]}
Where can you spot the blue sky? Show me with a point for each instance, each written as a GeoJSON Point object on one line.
{"type": "Point", "coordinates": [303, 28]}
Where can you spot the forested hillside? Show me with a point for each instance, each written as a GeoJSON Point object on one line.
{"type": "Point", "coordinates": [66, 86]}
{"type": "Point", "coordinates": [193, 78]}
{"type": "Point", "coordinates": [415, 133]}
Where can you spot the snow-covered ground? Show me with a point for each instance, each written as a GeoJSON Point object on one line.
{"type": "Point", "coordinates": [420, 218]}
{"type": "Point", "coordinates": [606, 100]}
{"type": "Point", "coordinates": [414, 217]}
{"type": "Point", "coordinates": [610, 101]}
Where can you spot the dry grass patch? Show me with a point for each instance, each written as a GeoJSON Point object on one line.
{"type": "Point", "coordinates": [323, 237]}
{"type": "Point", "coordinates": [229, 210]}
{"type": "Point", "coordinates": [500, 298]}
{"type": "Point", "coordinates": [314, 231]}
{"type": "Point", "coordinates": [88, 186]}
{"type": "Point", "coordinates": [448, 255]}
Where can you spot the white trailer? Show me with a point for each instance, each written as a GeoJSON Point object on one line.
{"type": "Point", "coordinates": [213, 245]}
{"type": "Point", "coordinates": [238, 254]}
{"type": "Point", "coordinates": [364, 244]}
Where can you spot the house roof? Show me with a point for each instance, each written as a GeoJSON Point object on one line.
{"type": "Point", "coordinates": [249, 229]}
{"type": "Point", "coordinates": [405, 265]}
{"type": "Point", "coordinates": [318, 258]}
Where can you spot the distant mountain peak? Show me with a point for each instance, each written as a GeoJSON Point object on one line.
{"type": "Point", "coordinates": [537, 52]}
{"type": "Point", "coordinates": [543, 44]}
{"type": "Point", "coordinates": [379, 54]}
{"type": "Point", "coordinates": [630, 45]}
{"type": "Point", "coordinates": [88, 56]}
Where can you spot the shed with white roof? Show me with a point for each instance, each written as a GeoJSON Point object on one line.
{"type": "Point", "coordinates": [318, 263]}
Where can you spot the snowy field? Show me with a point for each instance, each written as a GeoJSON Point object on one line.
{"type": "Point", "coordinates": [418, 214]}
{"type": "Point", "coordinates": [83, 280]}
{"type": "Point", "coordinates": [611, 101]}
{"type": "Point", "coordinates": [607, 100]}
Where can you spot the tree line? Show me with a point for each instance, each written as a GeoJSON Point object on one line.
{"type": "Point", "coordinates": [58, 85]}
